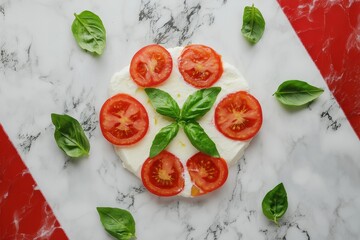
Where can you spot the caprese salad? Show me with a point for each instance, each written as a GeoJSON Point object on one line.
{"type": "Point", "coordinates": [179, 117]}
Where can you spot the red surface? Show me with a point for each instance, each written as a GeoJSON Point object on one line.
{"type": "Point", "coordinates": [330, 33]}
{"type": "Point", "coordinates": [24, 212]}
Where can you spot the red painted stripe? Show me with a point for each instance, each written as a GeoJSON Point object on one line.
{"type": "Point", "coordinates": [330, 32]}
{"type": "Point", "coordinates": [24, 212]}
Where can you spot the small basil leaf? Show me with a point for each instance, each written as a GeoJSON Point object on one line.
{"type": "Point", "coordinates": [163, 138]}
{"type": "Point", "coordinates": [70, 136]}
{"type": "Point", "coordinates": [199, 103]}
{"type": "Point", "coordinates": [89, 32]}
{"type": "Point", "coordinates": [275, 204]}
{"type": "Point", "coordinates": [297, 93]}
{"type": "Point", "coordinates": [199, 139]}
{"type": "Point", "coordinates": [253, 24]}
{"type": "Point", "coordinates": [117, 222]}
{"type": "Point", "coordinates": [163, 103]}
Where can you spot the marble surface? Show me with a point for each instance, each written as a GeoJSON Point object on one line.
{"type": "Point", "coordinates": [313, 151]}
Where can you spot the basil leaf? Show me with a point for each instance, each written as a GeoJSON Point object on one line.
{"type": "Point", "coordinates": [297, 93]}
{"type": "Point", "coordinates": [163, 138]}
{"type": "Point", "coordinates": [89, 32]}
{"type": "Point", "coordinates": [275, 204]}
{"type": "Point", "coordinates": [253, 24]}
{"type": "Point", "coordinates": [70, 136]}
{"type": "Point", "coordinates": [118, 222]}
{"type": "Point", "coordinates": [199, 139]}
{"type": "Point", "coordinates": [199, 103]}
{"type": "Point", "coordinates": [163, 103]}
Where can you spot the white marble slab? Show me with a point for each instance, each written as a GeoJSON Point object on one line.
{"type": "Point", "coordinates": [313, 151]}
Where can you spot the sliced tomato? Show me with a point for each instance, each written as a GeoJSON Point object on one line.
{"type": "Point", "coordinates": [200, 65]}
{"type": "Point", "coordinates": [238, 116]}
{"type": "Point", "coordinates": [207, 173]}
{"type": "Point", "coordinates": [151, 66]}
{"type": "Point", "coordinates": [162, 175]}
{"type": "Point", "coordinates": [123, 120]}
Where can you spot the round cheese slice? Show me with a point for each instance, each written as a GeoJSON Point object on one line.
{"type": "Point", "coordinates": [133, 156]}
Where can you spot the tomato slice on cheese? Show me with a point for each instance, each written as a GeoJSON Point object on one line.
{"type": "Point", "coordinates": [151, 66]}
{"type": "Point", "coordinates": [207, 173]}
{"type": "Point", "coordinates": [238, 116]}
{"type": "Point", "coordinates": [200, 65]}
{"type": "Point", "coordinates": [123, 120]}
{"type": "Point", "coordinates": [162, 175]}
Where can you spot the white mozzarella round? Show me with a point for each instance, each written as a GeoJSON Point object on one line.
{"type": "Point", "coordinates": [134, 156]}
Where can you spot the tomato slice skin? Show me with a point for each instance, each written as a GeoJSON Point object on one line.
{"type": "Point", "coordinates": [123, 120]}
{"type": "Point", "coordinates": [238, 116]}
{"type": "Point", "coordinates": [162, 175]}
{"type": "Point", "coordinates": [200, 65]}
{"type": "Point", "coordinates": [151, 66]}
{"type": "Point", "coordinates": [206, 172]}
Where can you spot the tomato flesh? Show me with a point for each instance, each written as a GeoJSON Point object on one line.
{"type": "Point", "coordinates": [207, 173]}
{"type": "Point", "coordinates": [200, 66]}
{"type": "Point", "coordinates": [238, 116]}
{"type": "Point", "coordinates": [195, 191]}
{"type": "Point", "coordinates": [151, 66]}
{"type": "Point", "coordinates": [123, 120]}
{"type": "Point", "coordinates": [162, 175]}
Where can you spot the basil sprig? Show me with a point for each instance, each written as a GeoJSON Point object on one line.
{"type": "Point", "coordinates": [163, 103]}
{"type": "Point", "coordinates": [195, 106]}
{"type": "Point", "coordinates": [89, 32]}
{"type": "Point", "coordinates": [70, 136]}
{"type": "Point", "coordinates": [117, 222]}
{"type": "Point", "coordinates": [253, 24]}
{"type": "Point", "coordinates": [199, 139]}
{"type": "Point", "coordinates": [297, 93]}
{"type": "Point", "coordinates": [199, 103]}
{"type": "Point", "coordinates": [275, 204]}
{"type": "Point", "coordinates": [163, 138]}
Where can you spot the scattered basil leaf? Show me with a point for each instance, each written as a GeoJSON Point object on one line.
{"type": "Point", "coordinates": [163, 138]}
{"type": "Point", "coordinates": [297, 93]}
{"type": "Point", "coordinates": [199, 139]}
{"type": "Point", "coordinates": [70, 136]}
{"type": "Point", "coordinates": [253, 24]}
{"type": "Point", "coordinates": [89, 32]}
{"type": "Point", "coordinates": [275, 204]}
{"type": "Point", "coordinates": [163, 103]}
{"type": "Point", "coordinates": [199, 103]}
{"type": "Point", "coordinates": [117, 222]}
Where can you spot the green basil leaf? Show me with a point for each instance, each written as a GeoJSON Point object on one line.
{"type": "Point", "coordinates": [297, 93]}
{"type": "Point", "coordinates": [199, 103]}
{"type": "Point", "coordinates": [70, 136]}
{"type": "Point", "coordinates": [89, 32]}
{"type": "Point", "coordinates": [163, 103]}
{"type": "Point", "coordinates": [117, 222]}
{"type": "Point", "coordinates": [275, 204]}
{"type": "Point", "coordinates": [199, 139]}
{"type": "Point", "coordinates": [253, 24]}
{"type": "Point", "coordinates": [163, 138]}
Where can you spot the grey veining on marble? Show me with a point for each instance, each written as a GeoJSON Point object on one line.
{"type": "Point", "coordinates": [313, 151]}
